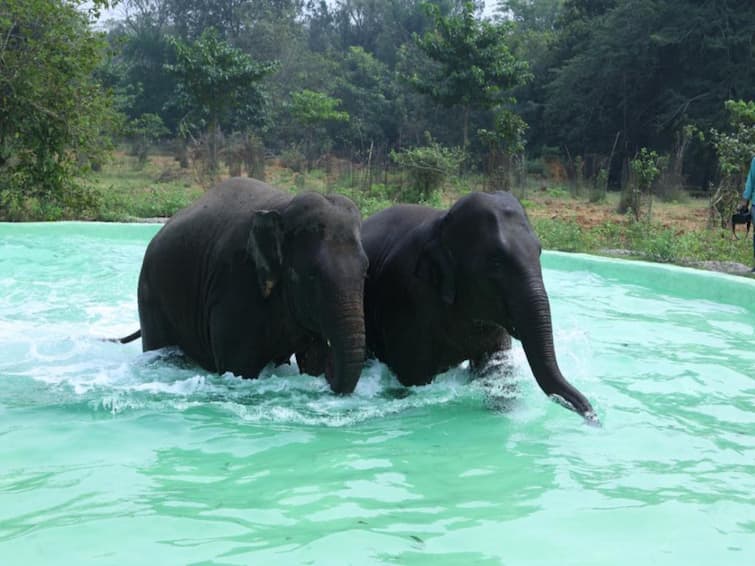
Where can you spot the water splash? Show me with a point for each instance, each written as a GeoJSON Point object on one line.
{"type": "Point", "coordinates": [118, 379]}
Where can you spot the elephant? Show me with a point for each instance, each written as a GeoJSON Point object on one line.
{"type": "Point", "coordinates": [249, 275]}
{"type": "Point", "coordinates": [448, 286]}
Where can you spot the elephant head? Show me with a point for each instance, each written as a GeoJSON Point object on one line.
{"type": "Point", "coordinates": [483, 258]}
{"type": "Point", "coordinates": [311, 250]}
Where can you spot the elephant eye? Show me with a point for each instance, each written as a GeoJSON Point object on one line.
{"type": "Point", "coordinates": [498, 263]}
{"type": "Point", "coordinates": [497, 259]}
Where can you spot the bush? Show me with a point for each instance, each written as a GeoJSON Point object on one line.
{"type": "Point", "coordinates": [428, 167]}
{"type": "Point", "coordinates": [563, 235]}
{"type": "Point", "coordinates": [293, 158]}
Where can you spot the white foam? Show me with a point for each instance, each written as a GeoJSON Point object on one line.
{"type": "Point", "coordinates": [117, 378]}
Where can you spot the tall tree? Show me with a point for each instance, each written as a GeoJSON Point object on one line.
{"type": "Point", "coordinates": [136, 71]}
{"type": "Point", "coordinates": [313, 110]}
{"type": "Point", "coordinates": [367, 91]}
{"type": "Point", "coordinates": [646, 68]}
{"type": "Point", "coordinates": [53, 113]}
{"type": "Point", "coordinates": [218, 85]}
{"type": "Point", "coordinates": [472, 65]}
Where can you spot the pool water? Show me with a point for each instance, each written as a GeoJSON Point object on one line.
{"type": "Point", "coordinates": [112, 456]}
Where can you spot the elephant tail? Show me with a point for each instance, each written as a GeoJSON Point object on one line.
{"type": "Point", "coordinates": [126, 339]}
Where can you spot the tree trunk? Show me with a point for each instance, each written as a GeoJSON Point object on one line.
{"type": "Point", "coordinates": [212, 147]}
{"type": "Point", "coordinates": [466, 128]}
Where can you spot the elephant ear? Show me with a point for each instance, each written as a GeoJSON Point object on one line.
{"type": "Point", "coordinates": [265, 246]}
{"type": "Point", "coordinates": [435, 267]}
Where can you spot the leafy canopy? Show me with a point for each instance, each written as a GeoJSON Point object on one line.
{"type": "Point", "coordinates": [217, 83]}
{"type": "Point", "coordinates": [312, 108]}
{"type": "Point", "coordinates": [53, 112]}
{"type": "Point", "coordinates": [473, 64]}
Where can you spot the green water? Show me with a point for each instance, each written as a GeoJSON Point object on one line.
{"type": "Point", "coordinates": [111, 456]}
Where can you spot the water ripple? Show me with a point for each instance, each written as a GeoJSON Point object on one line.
{"type": "Point", "coordinates": [102, 444]}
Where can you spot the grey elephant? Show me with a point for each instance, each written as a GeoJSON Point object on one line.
{"type": "Point", "coordinates": [448, 286]}
{"type": "Point", "coordinates": [250, 275]}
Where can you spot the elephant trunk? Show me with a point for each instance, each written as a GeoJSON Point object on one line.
{"type": "Point", "coordinates": [532, 317]}
{"type": "Point", "coordinates": [344, 329]}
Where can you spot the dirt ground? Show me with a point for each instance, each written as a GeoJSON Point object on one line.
{"type": "Point", "coordinates": [681, 217]}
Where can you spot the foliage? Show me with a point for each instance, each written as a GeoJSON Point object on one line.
{"type": "Point", "coordinates": [473, 65]}
{"type": "Point", "coordinates": [134, 70]}
{"type": "Point", "coordinates": [369, 94]}
{"type": "Point", "coordinates": [625, 74]}
{"type": "Point", "coordinates": [144, 131]}
{"type": "Point", "coordinates": [646, 168]}
{"type": "Point", "coordinates": [313, 110]}
{"type": "Point", "coordinates": [565, 236]}
{"type": "Point", "coordinates": [638, 194]}
{"type": "Point", "coordinates": [741, 112]}
{"type": "Point", "coordinates": [507, 133]}
{"type": "Point", "coordinates": [643, 239]}
{"type": "Point", "coordinates": [504, 141]}
{"type": "Point", "coordinates": [427, 166]}
{"type": "Point", "coordinates": [54, 115]}
{"type": "Point", "coordinates": [218, 86]}
{"type": "Point", "coordinates": [735, 150]}
{"type": "Point", "coordinates": [608, 77]}
{"type": "Point", "coordinates": [127, 192]}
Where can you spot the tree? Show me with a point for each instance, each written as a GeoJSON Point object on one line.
{"type": "Point", "coordinates": [638, 194]}
{"type": "Point", "coordinates": [368, 93]}
{"type": "Point", "coordinates": [313, 110]}
{"type": "Point", "coordinates": [735, 150]}
{"type": "Point", "coordinates": [472, 64]}
{"type": "Point", "coordinates": [504, 141]}
{"type": "Point", "coordinates": [428, 166]}
{"type": "Point", "coordinates": [54, 115]}
{"type": "Point", "coordinates": [136, 71]}
{"type": "Point", "coordinates": [218, 86]}
{"type": "Point", "coordinates": [144, 131]}
{"type": "Point", "coordinates": [534, 32]}
{"type": "Point", "coordinates": [646, 69]}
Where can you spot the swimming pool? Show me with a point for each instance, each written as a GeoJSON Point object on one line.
{"type": "Point", "coordinates": [110, 455]}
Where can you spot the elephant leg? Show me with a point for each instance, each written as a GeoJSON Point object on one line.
{"type": "Point", "coordinates": [313, 358]}
{"type": "Point", "coordinates": [236, 341]}
{"type": "Point", "coordinates": [493, 342]}
{"type": "Point", "coordinates": [411, 360]}
{"type": "Point", "coordinates": [492, 368]}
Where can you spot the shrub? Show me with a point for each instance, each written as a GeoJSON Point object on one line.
{"type": "Point", "coordinates": [293, 158]}
{"type": "Point", "coordinates": [428, 167]}
{"type": "Point", "coordinates": [563, 235]}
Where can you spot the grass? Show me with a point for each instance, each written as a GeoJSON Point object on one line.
{"type": "Point", "coordinates": [644, 240]}
{"type": "Point", "coordinates": [158, 189]}
{"type": "Point", "coordinates": [563, 221]}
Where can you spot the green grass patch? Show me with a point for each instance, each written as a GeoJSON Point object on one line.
{"type": "Point", "coordinates": [124, 191]}
{"type": "Point", "coordinates": [159, 189]}
{"type": "Point", "coordinates": [645, 240]}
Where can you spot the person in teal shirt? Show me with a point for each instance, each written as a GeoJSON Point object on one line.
{"type": "Point", "coordinates": [747, 198]}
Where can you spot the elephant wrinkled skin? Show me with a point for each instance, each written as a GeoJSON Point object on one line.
{"type": "Point", "coordinates": [448, 286]}
{"type": "Point", "coordinates": [250, 275]}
